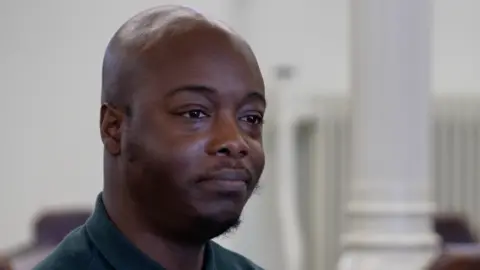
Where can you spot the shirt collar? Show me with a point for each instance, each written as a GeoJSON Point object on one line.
{"type": "Point", "coordinates": [118, 250]}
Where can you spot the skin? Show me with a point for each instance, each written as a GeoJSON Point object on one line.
{"type": "Point", "coordinates": [181, 123]}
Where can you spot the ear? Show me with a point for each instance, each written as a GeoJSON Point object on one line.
{"type": "Point", "coordinates": [111, 120]}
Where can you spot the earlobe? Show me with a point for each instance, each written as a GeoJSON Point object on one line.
{"type": "Point", "coordinates": [110, 128]}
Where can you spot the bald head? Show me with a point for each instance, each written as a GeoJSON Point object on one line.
{"type": "Point", "coordinates": [132, 45]}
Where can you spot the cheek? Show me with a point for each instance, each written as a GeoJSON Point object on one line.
{"type": "Point", "coordinates": [180, 155]}
{"type": "Point", "coordinates": [161, 169]}
{"type": "Point", "coordinates": [189, 155]}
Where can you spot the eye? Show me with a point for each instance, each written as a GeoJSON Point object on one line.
{"type": "Point", "coordinates": [195, 114]}
{"type": "Point", "coordinates": [253, 119]}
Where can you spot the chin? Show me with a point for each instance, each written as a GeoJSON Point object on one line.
{"type": "Point", "coordinates": [212, 225]}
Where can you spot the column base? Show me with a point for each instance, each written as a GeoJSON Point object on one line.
{"type": "Point", "coordinates": [389, 236]}
{"type": "Point", "coordinates": [377, 259]}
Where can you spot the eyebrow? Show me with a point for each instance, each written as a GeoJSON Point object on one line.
{"type": "Point", "coordinates": [257, 95]}
{"type": "Point", "coordinates": [191, 88]}
{"type": "Point", "coordinates": [202, 89]}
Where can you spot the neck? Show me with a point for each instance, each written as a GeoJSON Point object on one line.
{"type": "Point", "coordinates": [171, 254]}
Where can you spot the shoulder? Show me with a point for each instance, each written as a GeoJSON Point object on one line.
{"type": "Point", "coordinates": [74, 252]}
{"type": "Point", "coordinates": [231, 259]}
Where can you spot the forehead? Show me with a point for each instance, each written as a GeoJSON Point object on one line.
{"type": "Point", "coordinates": [203, 56]}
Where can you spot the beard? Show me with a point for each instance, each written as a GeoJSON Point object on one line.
{"type": "Point", "coordinates": [210, 227]}
{"type": "Point", "coordinates": [163, 203]}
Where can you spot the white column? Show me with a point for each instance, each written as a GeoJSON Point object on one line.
{"type": "Point", "coordinates": [390, 205]}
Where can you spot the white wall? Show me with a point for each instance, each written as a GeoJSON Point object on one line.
{"type": "Point", "coordinates": [311, 35]}
{"type": "Point", "coordinates": [456, 44]}
{"type": "Point", "coordinates": [51, 53]}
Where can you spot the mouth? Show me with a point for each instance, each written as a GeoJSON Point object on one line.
{"type": "Point", "coordinates": [228, 180]}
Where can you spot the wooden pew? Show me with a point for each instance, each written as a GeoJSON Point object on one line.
{"type": "Point", "coordinates": [460, 247]}
{"type": "Point", "coordinates": [5, 263]}
{"type": "Point", "coordinates": [49, 230]}
{"type": "Point", "coordinates": [461, 257]}
{"type": "Point", "coordinates": [454, 229]}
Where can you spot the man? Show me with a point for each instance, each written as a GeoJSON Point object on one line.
{"type": "Point", "coordinates": [181, 123]}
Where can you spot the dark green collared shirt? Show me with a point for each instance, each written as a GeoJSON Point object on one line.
{"type": "Point", "coordinates": [99, 245]}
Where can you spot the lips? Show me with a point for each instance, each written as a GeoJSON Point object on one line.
{"type": "Point", "coordinates": [232, 175]}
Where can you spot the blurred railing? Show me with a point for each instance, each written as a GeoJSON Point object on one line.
{"type": "Point", "coordinates": [323, 127]}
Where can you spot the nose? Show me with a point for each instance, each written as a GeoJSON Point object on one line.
{"type": "Point", "coordinates": [227, 140]}
{"type": "Point", "coordinates": [232, 149]}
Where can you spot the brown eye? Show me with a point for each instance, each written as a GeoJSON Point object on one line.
{"type": "Point", "coordinates": [195, 114]}
{"type": "Point", "coordinates": [253, 119]}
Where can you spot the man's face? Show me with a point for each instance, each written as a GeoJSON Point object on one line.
{"type": "Point", "coordinates": [193, 142]}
